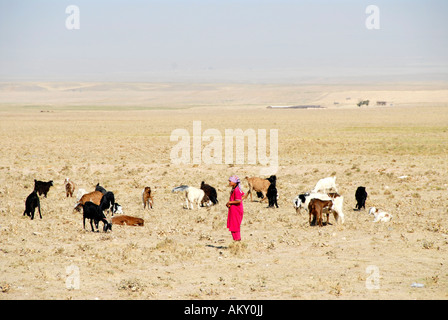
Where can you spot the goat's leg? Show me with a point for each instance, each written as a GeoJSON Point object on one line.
{"type": "Point", "coordinates": [265, 197]}
{"type": "Point", "coordinates": [91, 225]}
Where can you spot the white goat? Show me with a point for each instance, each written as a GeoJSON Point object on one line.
{"type": "Point", "coordinates": [192, 195]}
{"type": "Point", "coordinates": [325, 185]}
{"type": "Point", "coordinates": [380, 215]}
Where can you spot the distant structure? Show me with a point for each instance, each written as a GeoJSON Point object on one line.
{"type": "Point", "coordinates": [296, 107]}
{"type": "Point", "coordinates": [381, 103]}
{"type": "Point", "coordinates": [362, 102]}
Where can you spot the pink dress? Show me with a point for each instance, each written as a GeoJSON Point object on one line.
{"type": "Point", "coordinates": [235, 215]}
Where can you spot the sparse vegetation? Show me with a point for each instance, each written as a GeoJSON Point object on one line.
{"type": "Point", "coordinates": [183, 254]}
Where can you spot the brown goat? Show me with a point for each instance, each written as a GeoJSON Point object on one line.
{"type": "Point", "coordinates": [94, 197]}
{"type": "Point", "coordinates": [258, 185]}
{"type": "Point", "coordinates": [316, 207]}
{"type": "Point", "coordinates": [69, 187]}
{"type": "Point", "coordinates": [147, 198]}
{"type": "Point", "coordinates": [128, 221]}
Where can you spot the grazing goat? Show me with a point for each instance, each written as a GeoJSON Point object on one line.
{"type": "Point", "coordinates": [303, 200]}
{"type": "Point", "coordinates": [361, 196]}
{"type": "Point", "coordinates": [192, 195]}
{"type": "Point", "coordinates": [380, 215]}
{"type": "Point", "coordinates": [95, 214]}
{"type": "Point", "coordinates": [325, 185]}
{"type": "Point", "coordinates": [100, 188]}
{"type": "Point", "coordinates": [258, 185]}
{"type": "Point", "coordinates": [69, 187]}
{"type": "Point", "coordinates": [210, 192]}
{"type": "Point", "coordinates": [272, 193]}
{"type": "Point", "coordinates": [316, 208]}
{"type": "Point", "coordinates": [147, 198]}
{"type": "Point", "coordinates": [94, 197]}
{"type": "Point", "coordinates": [128, 221]}
{"type": "Point", "coordinates": [31, 203]}
{"type": "Point", "coordinates": [42, 187]}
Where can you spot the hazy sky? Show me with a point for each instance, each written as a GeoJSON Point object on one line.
{"type": "Point", "coordinates": [222, 40]}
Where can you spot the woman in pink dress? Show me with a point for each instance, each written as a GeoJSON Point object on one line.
{"type": "Point", "coordinates": [235, 205]}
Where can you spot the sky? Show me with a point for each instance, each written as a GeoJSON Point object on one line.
{"type": "Point", "coordinates": [264, 41]}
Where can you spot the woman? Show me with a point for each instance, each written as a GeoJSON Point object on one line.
{"type": "Point", "coordinates": [235, 205]}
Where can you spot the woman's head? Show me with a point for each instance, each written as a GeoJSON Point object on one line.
{"type": "Point", "coordinates": [234, 181]}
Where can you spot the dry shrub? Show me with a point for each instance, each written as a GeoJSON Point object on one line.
{"type": "Point", "coordinates": [131, 285]}
{"type": "Point", "coordinates": [237, 247]}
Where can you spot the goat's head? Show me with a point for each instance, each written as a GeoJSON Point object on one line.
{"type": "Point", "coordinates": [107, 226]}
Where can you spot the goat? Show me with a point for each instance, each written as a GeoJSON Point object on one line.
{"type": "Point", "coordinates": [210, 192]}
{"type": "Point", "coordinates": [325, 185]}
{"type": "Point", "coordinates": [315, 209]}
{"type": "Point", "coordinates": [69, 187]}
{"type": "Point", "coordinates": [94, 197]}
{"type": "Point", "coordinates": [303, 200]}
{"type": "Point", "coordinates": [128, 221]}
{"type": "Point", "coordinates": [258, 185]}
{"type": "Point", "coordinates": [147, 198]}
{"type": "Point", "coordinates": [380, 215]}
{"type": "Point", "coordinates": [31, 203]}
{"type": "Point", "coordinates": [42, 187]}
{"type": "Point", "coordinates": [94, 213]}
{"type": "Point", "coordinates": [361, 196]}
{"type": "Point", "coordinates": [107, 202]}
{"type": "Point", "coordinates": [272, 193]}
{"type": "Point", "coordinates": [192, 195]}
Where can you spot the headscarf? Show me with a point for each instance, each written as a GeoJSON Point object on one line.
{"type": "Point", "coordinates": [236, 180]}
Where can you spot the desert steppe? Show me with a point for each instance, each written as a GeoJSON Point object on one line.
{"type": "Point", "coordinates": [118, 135]}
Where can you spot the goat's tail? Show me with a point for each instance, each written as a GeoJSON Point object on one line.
{"type": "Point", "coordinates": [180, 188]}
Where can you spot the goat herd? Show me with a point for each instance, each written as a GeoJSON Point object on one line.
{"type": "Point", "coordinates": [322, 199]}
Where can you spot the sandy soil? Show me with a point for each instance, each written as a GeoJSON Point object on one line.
{"type": "Point", "coordinates": [106, 136]}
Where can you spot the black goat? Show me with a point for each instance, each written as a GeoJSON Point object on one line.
{"type": "Point", "coordinates": [95, 214]}
{"type": "Point", "coordinates": [272, 193]}
{"type": "Point", "coordinates": [31, 203]}
{"type": "Point", "coordinates": [108, 202]}
{"type": "Point", "coordinates": [210, 192]}
{"type": "Point", "coordinates": [42, 187]}
{"type": "Point", "coordinates": [361, 196]}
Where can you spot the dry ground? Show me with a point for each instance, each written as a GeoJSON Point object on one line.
{"type": "Point", "coordinates": [189, 254]}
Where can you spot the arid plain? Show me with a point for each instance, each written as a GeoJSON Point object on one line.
{"type": "Point", "coordinates": [118, 135]}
